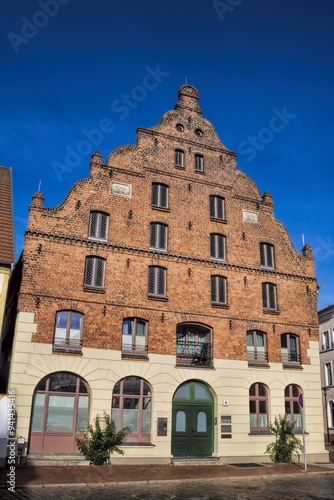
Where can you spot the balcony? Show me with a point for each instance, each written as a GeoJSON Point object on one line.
{"type": "Point", "coordinates": [197, 354]}
{"type": "Point", "coordinates": [70, 345]}
{"type": "Point", "coordinates": [257, 357]}
{"type": "Point", "coordinates": [292, 357]}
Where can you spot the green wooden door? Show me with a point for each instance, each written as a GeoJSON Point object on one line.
{"type": "Point", "coordinates": [192, 421]}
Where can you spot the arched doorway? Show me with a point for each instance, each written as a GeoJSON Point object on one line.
{"type": "Point", "coordinates": [60, 411]}
{"type": "Point", "coordinates": [192, 420]}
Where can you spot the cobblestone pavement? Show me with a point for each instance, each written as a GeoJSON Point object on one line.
{"type": "Point", "coordinates": [302, 487]}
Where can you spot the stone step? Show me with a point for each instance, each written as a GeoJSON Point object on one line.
{"type": "Point", "coordinates": [197, 461]}
{"type": "Point", "coordinates": [56, 460]}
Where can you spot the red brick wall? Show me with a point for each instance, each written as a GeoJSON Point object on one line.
{"type": "Point", "coordinates": [57, 244]}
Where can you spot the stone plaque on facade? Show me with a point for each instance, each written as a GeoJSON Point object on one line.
{"type": "Point", "coordinates": [121, 189]}
{"type": "Point", "coordinates": [252, 217]}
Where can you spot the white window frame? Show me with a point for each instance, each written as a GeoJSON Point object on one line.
{"type": "Point", "coordinates": [328, 372]}
{"type": "Point", "coordinates": [216, 282]}
{"type": "Point", "coordinates": [95, 262]}
{"type": "Point", "coordinates": [98, 229]}
{"type": "Point", "coordinates": [156, 276]}
{"type": "Point", "coordinates": [160, 195]}
{"type": "Point", "coordinates": [199, 162]}
{"type": "Point", "coordinates": [217, 246]}
{"type": "Point", "coordinates": [158, 236]}
{"type": "Point", "coordinates": [269, 292]}
{"type": "Point", "coordinates": [267, 256]}
{"type": "Point", "coordinates": [217, 207]}
{"type": "Point", "coordinates": [179, 158]}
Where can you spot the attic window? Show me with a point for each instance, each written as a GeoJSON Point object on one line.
{"type": "Point", "coordinates": [199, 132]}
{"type": "Point", "coordinates": [179, 127]}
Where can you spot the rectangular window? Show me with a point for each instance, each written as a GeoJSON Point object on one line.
{"type": "Point", "coordinates": [157, 281]}
{"type": "Point", "coordinates": [199, 163]}
{"type": "Point", "coordinates": [98, 225]}
{"type": "Point", "coordinates": [269, 296]}
{"type": "Point", "coordinates": [158, 236]}
{"type": "Point", "coordinates": [217, 246]}
{"type": "Point", "coordinates": [328, 374]}
{"type": "Point", "coordinates": [159, 195]}
{"type": "Point", "coordinates": [218, 290]}
{"type": "Point", "coordinates": [217, 208]}
{"type": "Point", "coordinates": [325, 340]}
{"type": "Point", "coordinates": [267, 255]}
{"type": "Point", "coordinates": [94, 272]}
{"type": "Point", "coordinates": [179, 158]}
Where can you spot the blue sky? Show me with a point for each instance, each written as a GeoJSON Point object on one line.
{"type": "Point", "coordinates": [80, 75]}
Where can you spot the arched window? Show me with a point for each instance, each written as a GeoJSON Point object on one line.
{"type": "Point", "coordinates": [258, 407]}
{"type": "Point", "coordinates": [256, 346]}
{"type": "Point", "coordinates": [290, 348]}
{"type": "Point", "coordinates": [68, 331]}
{"type": "Point", "coordinates": [134, 335]}
{"type": "Point", "coordinates": [59, 413]}
{"type": "Point", "coordinates": [131, 407]}
{"type": "Point", "coordinates": [193, 345]}
{"type": "Point", "coordinates": [292, 407]}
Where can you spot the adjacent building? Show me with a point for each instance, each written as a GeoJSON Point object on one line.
{"type": "Point", "coordinates": [326, 343]}
{"type": "Point", "coordinates": [7, 252]}
{"type": "Point", "coordinates": [163, 290]}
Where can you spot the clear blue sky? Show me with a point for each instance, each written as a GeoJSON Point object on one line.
{"type": "Point", "coordinates": [264, 70]}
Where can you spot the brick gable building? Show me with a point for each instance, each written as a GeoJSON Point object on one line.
{"type": "Point", "coordinates": [162, 289]}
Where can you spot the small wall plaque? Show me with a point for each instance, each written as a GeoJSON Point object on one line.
{"type": "Point", "coordinates": [251, 217]}
{"type": "Point", "coordinates": [121, 189]}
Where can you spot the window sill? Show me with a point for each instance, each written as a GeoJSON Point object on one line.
{"type": "Point", "coordinates": [67, 350]}
{"type": "Point", "coordinates": [214, 219]}
{"type": "Point", "coordinates": [258, 364]}
{"type": "Point", "coordinates": [162, 209]}
{"type": "Point", "coordinates": [199, 171]}
{"type": "Point", "coordinates": [271, 311]}
{"type": "Point", "coordinates": [133, 355]}
{"type": "Point", "coordinates": [159, 250]}
{"type": "Point", "coordinates": [267, 268]}
{"type": "Point", "coordinates": [293, 366]}
{"type": "Point", "coordinates": [180, 167]}
{"type": "Point", "coordinates": [221, 306]}
{"type": "Point", "coordinates": [157, 297]}
{"type": "Point", "coordinates": [93, 289]}
{"type": "Point", "coordinates": [260, 433]}
{"type": "Point", "coordinates": [97, 240]}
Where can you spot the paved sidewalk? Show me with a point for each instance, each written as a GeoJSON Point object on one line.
{"type": "Point", "coordinates": [45, 475]}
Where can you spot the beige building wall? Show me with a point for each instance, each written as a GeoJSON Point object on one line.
{"type": "Point", "coordinates": [229, 382]}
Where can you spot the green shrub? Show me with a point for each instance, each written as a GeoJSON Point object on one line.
{"type": "Point", "coordinates": [97, 444]}
{"type": "Point", "coordinates": [287, 446]}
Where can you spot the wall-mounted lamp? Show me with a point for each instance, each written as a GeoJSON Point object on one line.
{"type": "Point", "coordinates": [162, 317]}
{"type": "Point", "coordinates": [230, 324]}
{"type": "Point", "coordinates": [245, 280]}
{"type": "Point", "coordinates": [190, 225]}
{"type": "Point", "coordinates": [128, 262]}
{"type": "Point", "coordinates": [39, 248]}
{"type": "Point", "coordinates": [104, 312]}
{"type": "Point", "coordinates": [130, 214]}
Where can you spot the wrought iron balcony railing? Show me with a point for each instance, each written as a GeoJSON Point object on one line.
{"type": "Point", "coordinates": [194, 354]}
